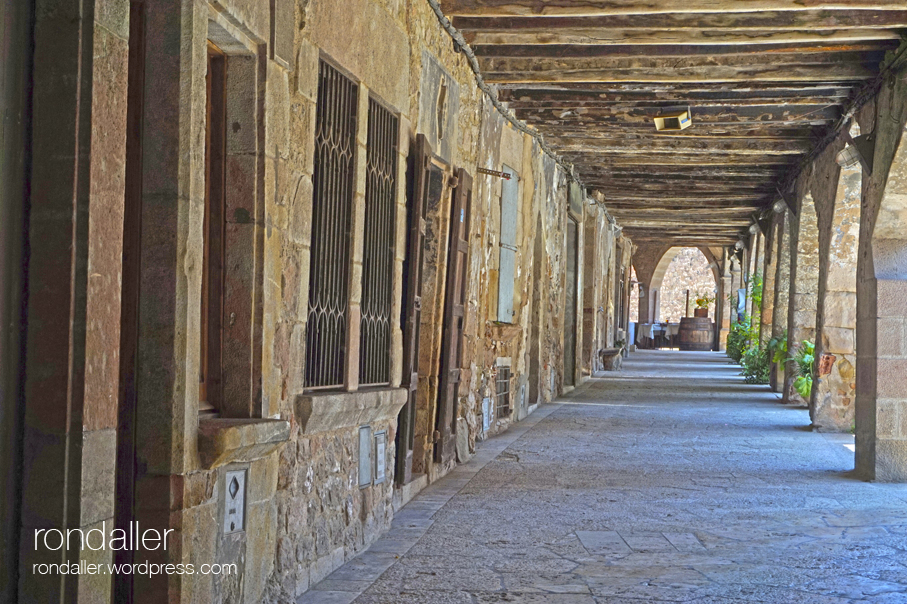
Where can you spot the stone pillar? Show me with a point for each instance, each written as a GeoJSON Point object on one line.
{"type": "Point", "coordinates": [881, 413]}
{"type": "Point", "coordinates": [769, 269]}
{"type": "Point", "coordinates": [804, 278]}
{"type": "Point", "coordinates": [782, 293]}
{"type": "Point", "coordinates": [722, 304]}
{"type": "Point", "coordinates": [759, 270]}
{"type": "Point", "coordinates": [78, 145]}
{"type": "Point", "coordinates": [736, 284]}
{"type": "Point", "coordinates": [834, 391]}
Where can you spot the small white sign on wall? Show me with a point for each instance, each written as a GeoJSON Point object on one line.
{"type": "Point", "coordinates": [235, 502]}
{"type": "Point", "coordinates": [487, 410]}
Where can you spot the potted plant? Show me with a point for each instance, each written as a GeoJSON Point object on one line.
{"type": "Point", "coordinates": [702, 305]}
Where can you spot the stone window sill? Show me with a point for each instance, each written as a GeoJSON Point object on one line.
{"type": "Point", "coordinates": [223, 441]}
{"type": "Point", "coordinates": [323, 412]}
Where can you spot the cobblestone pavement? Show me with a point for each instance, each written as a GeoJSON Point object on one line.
{"type": "Point", "coordinates": [671, 481]}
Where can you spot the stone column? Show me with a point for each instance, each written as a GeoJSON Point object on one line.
{"type": "Point", "coordinates": [769, 269]}
{"type": "Point", "coordinates": [804, 280]}
{"type": "Point", "coordinates": [78, 145]}
{"type": "Point", "coordinates": [834, 391]}
{"type": "Point", "coordinates": [722, 304]}
{"type": "Point", "coordinates": [881, 413]}
{"type": "Point", "coordinates": [782, 293]}
{"type": "Point", "coordinates": [736, 284]}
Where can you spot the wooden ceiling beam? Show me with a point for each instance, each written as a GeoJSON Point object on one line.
{"type": "Point", "coordinates": [757, 73]}
{"type": "Point", "coordinates": [655, 144]}
{"type": "Point", "coordinates": [585, 35]}
{"type": "Point", "coordinates": [594, 8]}
{"type": "Point", "coordinates": [817, 20]}
{"type": "Point", "coordinates": [668, 65]}
{"type": "Point", "coordinates": [659, 88]}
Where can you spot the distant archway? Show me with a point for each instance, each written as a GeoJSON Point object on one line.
{"type": "Point", "coordinates": [681, 269]}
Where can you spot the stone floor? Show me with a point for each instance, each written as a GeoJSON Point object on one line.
{"type": "Point", "coordinates": [670, 481]}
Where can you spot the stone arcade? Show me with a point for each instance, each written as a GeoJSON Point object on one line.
{"type": "Point", "coordinates": [270, 269]}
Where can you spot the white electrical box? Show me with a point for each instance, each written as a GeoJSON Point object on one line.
{"type": "Point", "coordinates": [365, 456]}
{"type": "Point", "coordinates": [380, 457]}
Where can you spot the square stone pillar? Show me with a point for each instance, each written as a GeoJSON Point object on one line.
{"type": "Point", "coordinates": [834, 390]}
{"type": "Point", "coordinates": [782, 294]}
{"type": "Point", "coordinates": [78, 146]}
{"type": "Point", "coordinates": [881, 413]}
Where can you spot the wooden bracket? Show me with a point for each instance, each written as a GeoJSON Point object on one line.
{"type": "Point", "coordinates": [866, 148]}
{"type": "Point", "coordinates": [791, 206]}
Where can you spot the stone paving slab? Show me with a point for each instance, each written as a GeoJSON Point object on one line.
{"type": "Point", "coordinates": [670, 481]}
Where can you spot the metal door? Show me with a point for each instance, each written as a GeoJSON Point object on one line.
{"type": "Point", "coordinates": [454, 316]}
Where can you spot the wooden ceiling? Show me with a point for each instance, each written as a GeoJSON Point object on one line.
{"type": "Point", "coordinates": [765, 81]}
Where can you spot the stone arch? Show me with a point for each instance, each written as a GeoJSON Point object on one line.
{"type": "Point", "coordinates": [653, 289]}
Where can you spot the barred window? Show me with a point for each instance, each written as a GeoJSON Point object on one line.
{"type": "Point", "coordinates": [378, 251]}
{"type": "Point", "coordinates": [502, 392]}
{"type": "Point", "coordinates": [332, 210]}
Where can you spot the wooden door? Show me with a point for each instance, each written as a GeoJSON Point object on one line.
{"type": "Point", "coordinates": [454, 316]}
{"type": "Point", "coordinates": [571, 302]}
{"type": "Point", "coordinates": [412, 305]}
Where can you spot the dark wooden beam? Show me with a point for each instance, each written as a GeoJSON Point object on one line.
{"type": "Point", "coordinates": [655, 144]}
{"type": "Point", "coordinates": [758, 73]}
{"type": "Point", "coordinates": [593, 8]}
{"type": "Point", "coordinates": [736, 21]}
{"type": "Point", "coordinates": [590, 35]}
{"type": "Point", "coordinates": [669, 65]}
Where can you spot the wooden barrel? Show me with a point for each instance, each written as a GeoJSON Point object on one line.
{"type": "Point", "coordinates": [695, 333]}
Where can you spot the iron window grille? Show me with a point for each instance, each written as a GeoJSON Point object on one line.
{"type": "Point", "coordinates": [378, 250]}
{"type": "Point", "coordinates": [332, 210]}
{"type": "Point", "coordinates": [502, 392]}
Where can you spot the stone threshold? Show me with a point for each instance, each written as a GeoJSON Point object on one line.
{"type": "Point", "coordinates": [412, 522]}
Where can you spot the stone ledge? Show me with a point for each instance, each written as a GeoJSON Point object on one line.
{"type": "Point", "coordinates": [223, 441]}
{"type": "Point", "coordinates": [323, 412]}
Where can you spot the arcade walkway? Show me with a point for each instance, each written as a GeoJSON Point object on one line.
{"type": "Point", "coordinates": [672, 481]}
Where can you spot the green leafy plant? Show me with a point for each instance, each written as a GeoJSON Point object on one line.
{"type": "Point", "coordinates": [737, 339]}
{"type": "Point", "coordinates": [756, 365]}
{"type": "Point", "coordinates": [804, 359]}
{"type": "Point", "coordinates": [754, 286]}
{"type": "Point", "coordinates": [777, 347]}
{"type": "Point", "coordinates": [703, 300]}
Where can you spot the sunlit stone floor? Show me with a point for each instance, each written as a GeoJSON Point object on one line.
{"type": "Point", "coordinates": [670, 481]}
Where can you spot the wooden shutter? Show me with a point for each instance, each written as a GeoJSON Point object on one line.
{"type": "Point", "coordinates": [454, 316]}
{"type": "Point", "coordinates": [507, 264]}
{"type": "Point", "coordinates": [412, 306]}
